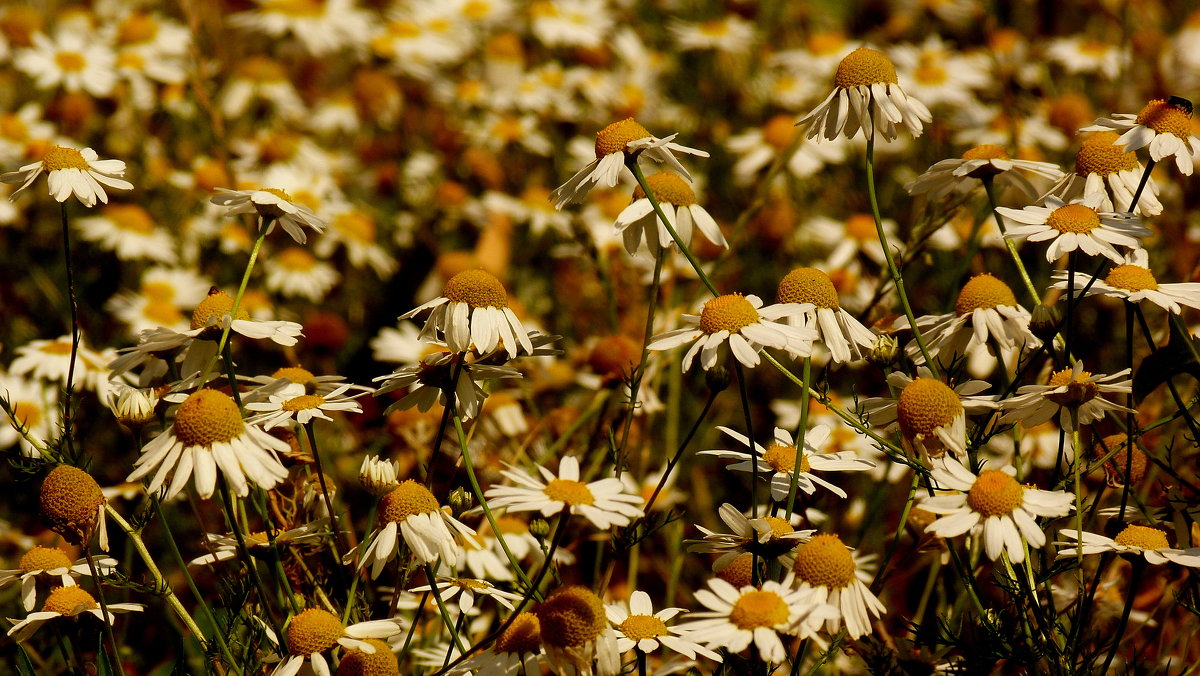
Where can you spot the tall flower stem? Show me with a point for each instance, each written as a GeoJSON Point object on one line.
{"type": "Point", "coordinates": [1078, 463]}
{"type": "Point", "coordinates": [641, 179]}
{"type": "Point", "coordinates": [745, 396]}
{"type": "Point", "coordinates": [662, 482]}
{"type": "Point", "coordinates": [108, 630]}
{"type": "Point", "coordinates": [333, 515]}
{"type": "Point", "coordinates": [437, 597]}
{"type": "Point", "coordinates": [247, 559]}
{"type": "Point", "coordinates": [635, 383]}
{"type": "Point", "coordinates": [68, 431]}
{"type": "Point", "coordinates": [237, 300]}
{"type": "Point", "coordinates": [801, 431]}
{"type": "Point", "coordinates": [990, 189]}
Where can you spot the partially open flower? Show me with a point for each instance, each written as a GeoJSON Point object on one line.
{"type": "Point", "coordinates": [72, 505]}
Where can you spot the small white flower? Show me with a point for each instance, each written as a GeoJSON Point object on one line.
{"type": "Point", "coordinates": [1133, 281]}
{"type": "Point", "coordinates": [1164, 126]}
{"type": "Point", "coordinates": [293, 403]}
{"type": "Point", "coordinates": [959, 175]}
{"type": "Point", "coordinates": [867, 96]}
{"type": "Point", "coordinates": [604, 502]}
{"type": "Point", "coordinates": [1078, 225]}
{"type": "Point", "coordinates": [678, 203]}
{"type": "Point", "coordinates": [41, 563]}
{"type": "Point", "coordinates": [67, 602]}
{"type": "Point", "coordinates": [1149, 543]}
{"type": "Point", "coordinates": [316, 631]}
{"type": "Point", "coordinates": [274, 206]}
{"type": "Point", "coordinates": [1071, 390]}
{"type": "Point", "coordinates": [412, 512]}
{"type": "Point", "coordinates": [638, 626]}
{"type": "Point", "coordinates": [72, 172]}
{"type": "Point", "coordinates": [778, 461]}
{"type": "Point", "coordinates": [741, 323]}
{"type": "Point", "coordinates": [473, 312]}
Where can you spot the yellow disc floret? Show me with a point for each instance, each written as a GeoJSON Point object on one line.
{"type": "Point", "coordinates": [669, 188]}
{"type": "Point", "coordinates": [757, 609]}
{"type": "Point", "coordinates": [295, 258]}
{"type": "Point", "coordinates": [782, 458]}
{"type": "Point", "coordinates": [983, 292]}
{"type": "Point", "coordinates": [130, 217]}
{"type": "Point", "coordinates": [208, 417]}
{"type": "Point", "coordinates": [43, 558]}
{"type": "Point", "coordinates": [407, 499]}
{"type": "Point", "coordinates": [571, 616]}
{"type": "Point", "coordinates": [477, 288]}
{"type": "Point", "coordinates": [995, 493]}
{"type": "Point", "coordinates": [382, 662]}
{"type": "Point", "coordinates": [779, 132]}
{"type": "Point", "coordinates": [1076, 218]}
{"type": "Point", "coordinates": [730, 312]}
{"type": "Point", "coordinates": [296, 374]}
{"type": "Point", "coordinates": [1131, 278]}
{"type": "Point", "coordinates": [987, 151]}
{"type": "Point", "coordinates": [304, 402]}
{"type": "Point", "coordinates": [571, 492]}
{"type": "Point", "coordinates": [1142, 537]}
{"type": "Point", "coordinates": [215, 306]}
{"type": "Point", "coordinates": [70, 501]}
{"type": "Point", "coordinates": [864, 67]}
{"type": "Point", "coordinates": [638, 627]}
{"type": "Point", "coordinates": [614, 137]}
{"type": "Point", "coordinates": [523, 636]}
{"type": "Point", "coordinates": [1099, 154]}
{"type": "Point", "coordinates": [1079, 389]}
{"type": "Point", "coordinates": [808, 285]}
{"type": "Point", "coordinates": [739, 571]}
{"type": "Point", "coordinates": [825, 562]}
{"type": "Point", "coordinates": [1165, 118]}
{"type": "Point", "coordinates": [60, 157]}
{"type": "Point", "coordinates": [69, 601]}
{"type": "Point", "coordinates": [926, 404]}
{"type": "Point", "coordinates": [314, 631]}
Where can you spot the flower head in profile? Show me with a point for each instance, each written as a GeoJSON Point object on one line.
{"type": "Point", "coordinates": [839, 577]}
{"type": "Point", "coordinates": [49, 564]}
{"type": "Point", "coordinates": [1133, 281]}
{"type": "Point", "coordinates": [1104, 167]}
{"type": "Point", "coordinates": [678, 203]}
{"type": "Point", "coordinates": [575, 632]}
{"type": "Point", "coordinates": [516, 651]}
{"type": "Point", "coordinates": [990, 161]}
{"type": "Point", "coordinates": [1163, 125]}
{"type": "Point", "coordinates": [768, 537]}
{"type": "Point", "coordinates": [837, 330]}
{"type": "Point", "coordinates": [1078, 225]}
{"type": "Point", "coordinates": [931, 416]}
{"type": "Point", "coordinates": [1140, 541]}
{"type": "Point", "coordinates": [317, 631]}
{"type": "Point", "coordinates": [638, 626]}
{"type": "Point", "coordinates": [743, 324]}
{"type": "Point", "coordinates": [604, 502]}
{"type": "Point", "coordinates": [1072, 393]}
{"type": "Point", "coordinates": [866, 95]}
{"type": "Point", "coordinates": [412, 512]}
{"type": "Point", "coordinates": [72, 172]}
{"type": "Point", "coordinates": [473, 312]}
{"type": "Point", "coordinates": [67, 603]}
{"type": "Point", "coordinates": [72, 505]}
{"type": "Point", "coordinates": [273, 206]}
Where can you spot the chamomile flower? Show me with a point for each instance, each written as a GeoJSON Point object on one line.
{"type": "Point", "coordinates": [49, 563]}
{"type": "Point", "coordinates": [638, 626]}
{"type": "Point", "coordinates": [411, 511]}
{"type": "Point", "coordinates": [35, 413]}
{"type": "Point", "coordinates": [308, 382]}
{"type": "Point", "coordinates": [1072, 393]}
{"type": "Point", "coordinates": [427, 382]}
{"type": "Point", "coordinates": [321, 27]}
{"type": "Point", "coordinates": [1133, 281]}
{"type": "Point", "coordinates": [992, 504]}
{"type": "Point", "coordinates": [517, 650]}
{"type": "Point", "coordinates": [72, 60]}
{"type": "Point", "coordinates": [209, 434]}
{"type": "Point", "coordinates": [837, 330]}
{"type": "Point", "coordinates": [272, 206]}
{"type": "Point", "coordinates": [467, 590]}
{"type": "Point", "coordinates": [959, 175]}
{"type": "Point", "coordinates": [50, 360]}
{"type": "Point", "coordinates": [261, 79]}
{"type": "Point", "coordinates": [1105, 168]}
{"type": "Point", "coordinates": [740, 323]}
{"type": "Point", "coordinates": [294, 404]}
{"type": "Point", "coordinates": [72, 505]}
{"type": "Point", "coordinates": [616, 144]}
{"type": "Point", "coordinates": [679, 205]}
{"type": "Point", "coordinates": [757, 148]}
{"type": "Point", "coordinates": [72, 172]}
{"type": "Point", "coordinates": [930, 415]}
{"type": "Point", "coordinates": [226, 547]}
{"type": "Point", "coordinates": [838, 575]}
{"type": "Point", "coordinates": [67, 602]}
{"type": "Point", "coordinates": [1164, 126]}
{"type": "Point", "coordinates": [1144, 541]}
{"type": "Point", "coordinates": [768, 537]}
{"type": "Point", "coordinates": [777, 462]}
{"type": "Point", "coordinates": [316, 631]}
{"type": "Point", "coordinates": [866, 95]}
{"type": "Point", "coordinates": [378, 476]}
{"type": "Point", "coordinates": [358, 234]}
{"type": "Point", "coordinates": [296, 273]}
{"type": "Point", "coordinates": [604, 502]}
{"type": "Point", "coordinates": [1078, 225]}
{"type": "Point", "coordinates": [1082, 54]}
{"type": "Point", "coordinates": [730, 33]}
{"type": "Point", "coordinates": [473, 311]}
{"type": "Point", "coordinates": [130, 232]}
{"type": "Point", "coordinates": [575, 632]}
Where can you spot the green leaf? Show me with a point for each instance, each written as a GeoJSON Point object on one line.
{"type": "Point", "coordinates": [24, 666]}
{"type": "Point", "coordinates": [104, 665]}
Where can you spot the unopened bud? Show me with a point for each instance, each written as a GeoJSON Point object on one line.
{"type": "Point", "coordinates": [539, 528]}
{"type": "Point", "coordinates": [460, 501]}
{"type": "Point", "coordinates": [133, 407]}
{"type": "Point", "coordinates": [378, 476]}
{"type": "Point", "coordinates": [883, 354]}
{"type": "Point", "coordinates": [717, 379]}
{"type": "Point", "coordinates": [1044, 323]}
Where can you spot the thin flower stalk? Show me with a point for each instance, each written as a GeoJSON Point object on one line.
{"type": "Point", "coordinates": [336, 539]}
{"type": "Point", "coordinates": [430, 572]}
{"type": "Point", "coordinates": [801, 431]}
{"type": "Point", "coordinates": [641, 179]}
{"type": "Point", "coordinates": [990, 189]}
{"type": "Point", "coordinates": [237, 300]}
{"type": "Point", "coordinates": [108, 630]}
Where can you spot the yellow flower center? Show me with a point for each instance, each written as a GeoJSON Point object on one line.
{"type": "Point", "coordinates": [861, 228]}
{"type": "Point", "coordinates": [1078, 390]}
{"type": "Point", "coordinates": [825, 562]}
{"type": "Point", "coordinates": [382, 662]}
{"type": "Point", "coordinates": [930, 70]}
{"type": "Point", "coordinates": [69, 601]}
{"type": "Point", "coordinates": [27, 413]}
{"type": "Point", "coordinates": [987, 151]}
{"type": "Point", "coordinates": [864, 67]}
{"type": "Point", "coordinates": [208, 417]}
{"type": "Point", "coordinates": [782, 458]}
{"type": "Point", "coordinates": [779, 131]}
{"type": "Point", "coordinates": [925, 405]}
{"type": "Point", "coordinates": [59, 157]}
{"type": "Point", "coordinates": [356, 225]}
{"type": "Point", "coordinates": [1076, 218]}
{"type": "Point", "coordinates": [304, 402]}
{"type": "Point", "coordinates": [616, 136]}
{"type": "Point", "coordinates": [137, 28]}
{"type": "Point", "coordinates": [71, 62]}
{"type": "Point", "coordinates": [296, 259]}
{"type": "Point", "coordinates": [825, 43]}
{"type": "Point", "coordinates": [757, 609]}
{"type": "Point", "coordinates": [215, 306]}
{"type": "Point", "coordinates": [1142, 537]}
{"type": "Point", "coordinates": [314, 631]}
{"type": "Point", "coordinates": [296, 374]}
{"type": "Point", "coordinates": [476, 10]}
{"type": "Point", "coordinates": [477, 288]}
{"type": "Point", "coordinates": [730, 312]}
{"type": "Point", "coordinates": [162, 311]}
{"type": "Point", "coordinates": [57, 347]}
{"type": "Point", "coordinates": [408, 499]}
{"type": "Point", "coordinates": [667, 187]}
{"type": "Point", "coordinates": [523, 636]}
{"type": "Point", "coordinates": [44, 558]}
{"type": "Point", "coordinates": [261, 69]}
{"type": "Point", "coordinates": [571, 492]}
{"type": "Point", "coordinates": [738, 572]}
{"type": "Point", "coordinates": [130, 217]}
{"type": "Point", "coordinates": [131, 61]}
{"type": "Point", "coordinates": [571, 616]}
{"type": "Point", "coordinates": [995, 493]}
{"type": "Point", "coordinates": [1131, 278]}
{"type": "Point", "coordinates": [1100, 155]}
{"type": "Point", "coordinates": [983, 292]}
{"type": "Point", "coordinates": [70, 500]}
{"type": "Point", "coordinates": [638, 627]}
{"type": "Point", "coordinates": [1165, 118]}
{"type": "Point", "coordinates": [808, 285]}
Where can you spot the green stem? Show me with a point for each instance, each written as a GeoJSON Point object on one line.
{"type": "Point", "coordinates": [741, 378]}
{"type": "Point", "coordinates": [712, 396]}
{"type": "Point", "coordinates": [231, 519]}
{"type": "Point", "coordinates": [352, 599]}
{"type": "Point", "coordinates": [635, 383]}
{"type": "Point", "coordinates": [437, 597]}
{"type": "Point", "coordinates": [683, 248]}
{"type": "Point", "coordinates": [333, 515]}
{"type": "Point", "coordinates": [68, 431]}
{"type": "Point", "coordinates": [1008, 243]}
{"type": "Point", "coordinates": [801, 431]}
{"type": "Point", "coordinates": [237, 300]}
{"type": "Point", "coordinates": [108, 630]}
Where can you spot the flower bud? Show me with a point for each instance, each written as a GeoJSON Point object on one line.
{"type": "Point", "coordinates": [883, 354]}
{"type": "Point", "coordinates": [539, 528]}
{"type": "Point", "coordinates": [1044, 322]}
{"type": "Point", "coordinates": [378, 476]}
{"type": "Point", "coordinates": [133, 407]}
{"type": "Point", "coordinates": [717, 379]}
{"type": "Point", "coordinates": [460, 501]}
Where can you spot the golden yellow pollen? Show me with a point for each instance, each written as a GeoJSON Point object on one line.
{"type": "Point", "coordinates": [43, 558]}
{"type": "Point", "coordinates": [1070, 111]}
{"type": "Point", "coordinates": [131, 60]}
{"type": "Point", "coordinates": [824, 561]}
{"type": "Point", "coordinates": [926, 404]}
{"type": "Point", "coordinates": [983, 292]}
{"type": "Point", "coordinates": [208, 417]}
{"type": "Point", "coordinates": [1165, 118]}
{"type": "Point", "coordinates": [731, 312]}
{"type": "Point", "coordinates": [408, 499]}
{"type": "Point", "coordinates": [782, 458]}
{"type": "Point", "coordinates": [808, 285]}
{"type": "Point", "coordinates": [738, 572]}
{"type": "Point", "coordinates": [57, 347]}
{"type": "Point", "coordinates": [1079, 390]}
{"type": "Point", "coordinates": [779, 131]}
{"type": "Point", "coordinates": [130, 217]}
{"type": "Point", "coordinates": [667, 187]}
{"type": "Point", "coordinates": [357, 225]}
{"type": "Point", "coordinates": [1076, 218]}
{"type": "Point", "coordinates": [987, 151]}
{"type": "Point", "coordinates": [1131, 278]}
{"type": "Point", "coordinates": [215, 305]}
{"type": "Point", "coordinates": [303, 402]}
{"type": "Point", "coordinates": [571, 616]}
{"type": "Point", "coordinates": [1114, 468]}
{"type": "Point", "coordinates": [523, 636]}
{"type": "Point", "coordinates": [614, 137]}
{"type": "Point", "coordinates": [69, 601]}
{"type": "Point", "coordinates": [638, 627]}
{"type": "Point", "coordinates": [296, 258]}
{"type": "Point", "coordinates": [70, 501]}
{"type": "Point", "coordinates": [162, 311]}
{"type": "Point", "coordinates": [757, 609]}
{"type": "Point", "coordinates": [1142, 537]}
{"type": "Point", "coordinates": [314, 631]}
{"type": "Point", "coordinates": [477, 288]}
{"type": "Point", "coordinates": [571, 492]}
{"type": "Point", "coordinates": [59, 157]}
{"type": "Point", "coordinates": [930, 70]}
{"type": "Point", "coordinates": [71, 62]}
{"type": "Point", "coordinates": [382, 662]}
{"type": "Point", "coordinates": [137, 28]}
{"type": "Point", "coordinates": [1099, 154]}
{"type": "Point", "coordinates": [296, 374]}
{"type": "Point", "coordinates": [995, 493]}
{"type": "Point", "coordinates": [864, 67]}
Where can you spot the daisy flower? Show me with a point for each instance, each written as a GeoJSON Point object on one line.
{"type": "Point", "coordinates": [866, 95]}
{"type": "Point", "coordinates": [638, 626]}
{"type": "Point", "coordinates": [260, 79]}
{"type": "Point", "coordinates": [50, 360]}
{"type": "Point", "coordinates": [273, 206]}
{"type": "Point", "coordinates": [768, 537]}
{"type": "Point", "coordinates": [843, 335]}
{"type": "Point", "coordinates": [72, 505]}
{"type": "Point", "coordinates": [1081, 54]}
{"type": "Point", "coordinates": [835, 572]}
{"type": "Point", "coordinates": [758, 148]}
{"type": "Point", "coordinates": [378, 476]}
{"type": "Point", "coordinates": [358, 235]}
{"type": "Point", "coordinates": [994, 504]}
{"type": "Point", "coordinates": [43, 563]}
{"type": "Point", "coordinates": [428, 381]}
{"type": "Point", "coordinates": [1164, 126]}
{"type": "Point", "coordinates": [730, 33]}
{"type": "Point", "coordinates": [938, 74]}
{"type": "Point", "coordinates": [1078, 225]}
{"type": "Point", "coordinates": [678, 203]}
{"type": "Point", "coordinates": [473, 312]}
{"type": "Point", "coordinates": [130, 232]}
{"type": "Point", "coordinates": [778, 461]}
{"type": "Point", "coordinates": [1150, 543]}
{"type": "Point", "coordinates": [604, 503]}
{"type": "Point", "coordinates": [294, 404]}
{"type": "Point", "coordinates": [67, 602]}
{"type": "Point", "coordinates": [296, 273]}
{"type": "Point", "coordinates": [72, 172]}
{"type": "Point", "coordinates": [209, 434]}
{"type": "Point", "coordinates": [736, 618]}
{"type": "Point", "coordinates": [575, 632]}
{"type": "Point", "coordinates": [73, 60]}
{"type": "Point", "coordinates": [516, 651]}
{"type": "Point", "coordinates": [316, 631]}
{"type": "Point", "coordinates": [1072, 393]}
{"type": "Point", "coordinates": [1106, 168]}
{"type": "Point", "coordinates": [1133, 281]}
{"type": "Point", "coordinates": [741, 323]}
{"type": "Point", "coordinates": [226, 547]}
{"type": "Point", "coordinates": [321, 28]}
{"type": "Point", "coordinates": [616, 144]}
{"type": "Point", "coordinates": [428, 530]}
{"type": "Point", "coordinates": [959, 175]}
{"type": "Point", "coordinates": [930, 415]}
{"type": "Point", "coordinates": [467, 589]}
